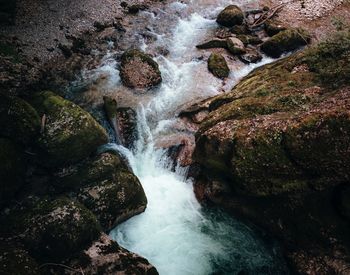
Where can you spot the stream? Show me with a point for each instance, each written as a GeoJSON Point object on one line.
{"type": "Point", "coordinates": [175, 233]}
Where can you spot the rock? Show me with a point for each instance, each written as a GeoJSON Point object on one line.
{"type": "Point", "coordinates": [52, 229]}
{"type": "Point", "coordinates": [123, 121]}
{"type": "Point", "coordinates": [18, 120]}
{"type": "Point", "coordinates": [139, 70]}
{"type": "Point", "coordinates": [114, 201]}
{"type": "Point", "coordinates": [110, 107]}
{"type": "Point", "coordinates": [214, 43]}
{"type": "Point", "coordinates": [14, 259]}
{"type": "Point", "coordinates": [279, 142]}
{"type": "Point", "coordinates": [285, 41]}
{"type": "Point", "coordinates": [105, 256]}
{"type": "Point", "coordinates": [240, 30]}
{"type": "Point", "coordinates": [249, 39]}
{"type": "Point", "coordinates": [235, 46]}
{"type": "Point", "coordinates": [273, 27]}
{"type": "Point", "coordinates": [70, 134]}
{"type": "Point", "coordinates": [127, 121]}
{"type": "Point", "coordinates": [217, 65]}
{"type": "Point", "coordinates": [12, 169]}
{"type": "Point", "coordinates": [230, 16]}
{"type": "Point", "coordinates": [251, 56]}
{"type": "Point", "coordinates": [87, 172]}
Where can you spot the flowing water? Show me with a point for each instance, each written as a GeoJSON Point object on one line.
{"type": "Point", "coordinates": [175, 233]}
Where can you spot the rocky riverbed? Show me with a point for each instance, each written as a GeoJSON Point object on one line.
{"type": "Point", "coordinates": [272, 151]}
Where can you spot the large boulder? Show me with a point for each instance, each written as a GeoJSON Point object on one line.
{"type": "Point", "coordinates": [70, 134]}
{"type": "Point", "coordinates": [232, 15]}
{"type": "Point", "coordinates": [217, 65]}
{"type": "Point", "coordinates": [139, 70]}
{"type": "Point", "coordinates": [273, 27]}
{"type": "Point", "coordinates": [114, 201]}
{"type": "Point", "coordinates": [12, 169]}
{"type": "Point", "coordinates": [18, 119]}
{"type": "Point", "coordinates": [285, 41]}
{"type": "Point", "coordinates": [276, 151]}
{"type": "Point", "coordinates": [106, 187]}
{"type": "Point", "coordinates": [105, 256]}
{"type": "Point", "coordinates": [51, 229]}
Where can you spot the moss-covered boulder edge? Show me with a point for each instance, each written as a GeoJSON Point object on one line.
{"type": "Point", "coordinates": [276, 149]}
{"type": "Point", "coordinates": [58, 194]}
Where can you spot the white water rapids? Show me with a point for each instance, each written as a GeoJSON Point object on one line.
{"type": "Point", "coordinates": [175, 233]}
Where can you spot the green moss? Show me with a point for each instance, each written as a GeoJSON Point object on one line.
{"type": "Point", "coordinates": [110, 106]}
{"type": "Point", "coordinates": [284, 41]}
{"type": "Point", "coordinates": [261, 165]}
{"type": "Point", "coordinates": [217, 65]}
{"type": "Point", "coordinates": [330, 60]}
{"type": "Point", "coordinates": [18, 120]}
{"type": "Point", "coordinates": [319, 144]}
{"type": "Point", "coordinates": [70, 133]}
{"type": "Point", "coordinates": [249, 39]}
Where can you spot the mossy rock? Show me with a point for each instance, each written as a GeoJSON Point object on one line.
{"type": "Point", "coordinates": [330, 60]}
{"type": "Point", "coordinates": [139, 70]}
{"type": "Point", "coordinates": [235, 46]}
{"type": "Point", "coordinates": [90, 171]}
{"type": "Point", "coordinates": [116, 199]}
{"type": "Point", "coordinates": [217, 65]}
{"type": "Point", "coordinates": [320, 143]}
{"type": "Point", "coordinates": [249, 39]}
{"type": "Point", "coordinates": [273, 27]}
{"type": "Point", "coordinates": [285, 41]}
{"type": "Point", "coordinates": [12, 169]}
{"type": "Point", "coordinates": [70, 134]}
{"type": "Point", "coordinates": [214, 43]}
{"type": "Point", "coordinates": [232, 15]}
{"type": "Point", "coordinates": [110, 107]}
{"type": "Point", "coordinates": [14, 259]}
{"type": "Point", "coordinates": [19, 121]}
{"type": "Point", "coordinates": [52, 229]}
